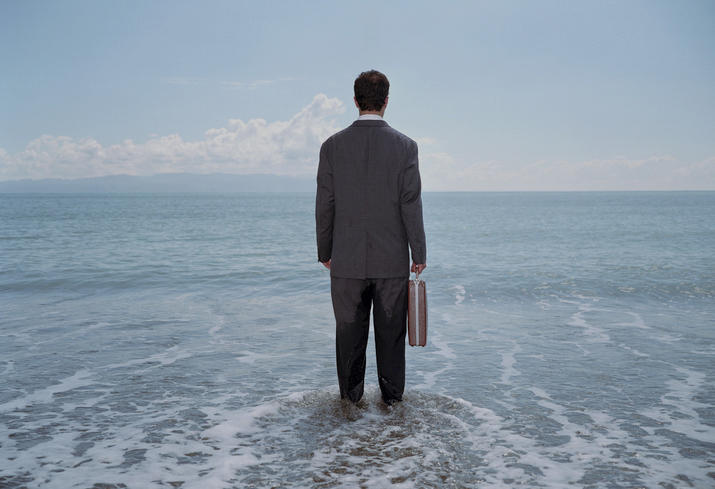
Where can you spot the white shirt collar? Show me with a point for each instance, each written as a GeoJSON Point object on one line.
{"type": "Point", "coordinates": [370, 117]}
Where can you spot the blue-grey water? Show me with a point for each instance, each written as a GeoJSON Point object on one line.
{"type": "Point", "coordinates": [187, 341]}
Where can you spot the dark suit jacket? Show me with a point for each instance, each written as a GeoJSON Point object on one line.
{"type": "Point", "coordinates": [368, 204]}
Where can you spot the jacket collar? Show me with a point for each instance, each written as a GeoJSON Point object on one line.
{"type": "Point", "coordinates": [368, 122]}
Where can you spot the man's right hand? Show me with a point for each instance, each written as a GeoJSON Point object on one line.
{"type": "Point", "coordinates": [417, 268]}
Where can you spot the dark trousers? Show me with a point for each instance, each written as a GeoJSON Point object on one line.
{"type": "Point", "coordinates": [352, 299]}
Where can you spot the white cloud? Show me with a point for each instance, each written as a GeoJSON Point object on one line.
{"type": "Point", "coordinates": [291, 147]}
{"type": "Point", "coordinates": [441, 171]}
{"type": "Point", "coordinates": [425, 141]}
{"type": "Point", "coordinates": [255, 146]}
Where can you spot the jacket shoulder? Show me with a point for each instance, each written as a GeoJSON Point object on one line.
{"type": "Point", "coordinates": [402, 138]}
{"type": "Point", "coordinates": [337, 136]}
{"type": "Point", "coordinates": [387, 131]}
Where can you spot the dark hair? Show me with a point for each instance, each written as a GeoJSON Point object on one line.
{"type": "Point", "coordinates": [371, 90]}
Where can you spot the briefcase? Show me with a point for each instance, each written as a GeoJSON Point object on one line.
{"type": "Point", "coordinates": [417, 312]}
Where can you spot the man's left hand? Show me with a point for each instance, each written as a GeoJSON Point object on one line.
{"type": "Point", "coordinates": [326, 264]}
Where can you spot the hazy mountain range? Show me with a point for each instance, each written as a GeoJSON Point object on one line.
{"type": "Point", "coordinates": [165, 182]}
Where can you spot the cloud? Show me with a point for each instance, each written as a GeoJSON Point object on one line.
{"type": "Point", "coordinates": [254, 146]}
{"type": "Point", "coordinates": [441, 171]}
{"type": "Point", "coordinates": [423, 141]}
{"type": "Point", "coordinates": [290, 147]}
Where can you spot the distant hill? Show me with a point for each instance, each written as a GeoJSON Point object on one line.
{"type": "Point", "coordinates": [165, 182]}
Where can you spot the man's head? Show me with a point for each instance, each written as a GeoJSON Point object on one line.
{"type": "Point", "coordinates": [371, 91]}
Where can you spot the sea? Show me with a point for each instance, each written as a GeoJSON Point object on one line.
{"type": "Point", "coordinates": [188, 341]}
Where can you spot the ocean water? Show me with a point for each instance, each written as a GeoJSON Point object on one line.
{"type": "Point", "coordinates": [187, 341]}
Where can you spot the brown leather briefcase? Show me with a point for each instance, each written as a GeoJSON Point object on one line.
{"type": "Point", "coordinates": [417, 312]}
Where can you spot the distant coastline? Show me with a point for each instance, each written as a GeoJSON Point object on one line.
{"type": "Point", "coordinates": [222, 183]}
{"type": "Point", "coordinates": [164, 182]}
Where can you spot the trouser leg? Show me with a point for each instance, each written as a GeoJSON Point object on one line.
{"type": "Point", "coordinates": [390, 322]}
{"type": "Point", "coordinates": [352, 299]}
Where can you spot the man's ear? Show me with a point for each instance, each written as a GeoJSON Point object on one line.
{"type": "Point", "coordinates": [356, 103]}
{"type": "Point", "coordinates": [384, 106]}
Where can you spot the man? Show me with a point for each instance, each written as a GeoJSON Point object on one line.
{"type": "Point", "coordinates": [368, 208]}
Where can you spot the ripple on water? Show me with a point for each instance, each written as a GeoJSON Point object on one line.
{"type": "Point", "coordinates": [316, 440]}
{"type": "Point", "coordinates": [313, 439]}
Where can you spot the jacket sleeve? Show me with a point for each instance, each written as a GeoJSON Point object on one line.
{"type": "Point", "coordinates": [411, 207]}
{"type": "Point", "coordinates": [324, 206]}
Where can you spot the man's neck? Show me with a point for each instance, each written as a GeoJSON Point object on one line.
{"type": "Point", "coordinates": [370, 115]}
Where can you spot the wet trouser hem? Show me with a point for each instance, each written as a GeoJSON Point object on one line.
{"type": "Point", "coordinates": [353, 300]}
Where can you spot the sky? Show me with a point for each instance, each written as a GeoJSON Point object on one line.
{"type": "Point", "coordinates": [500, 95]}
